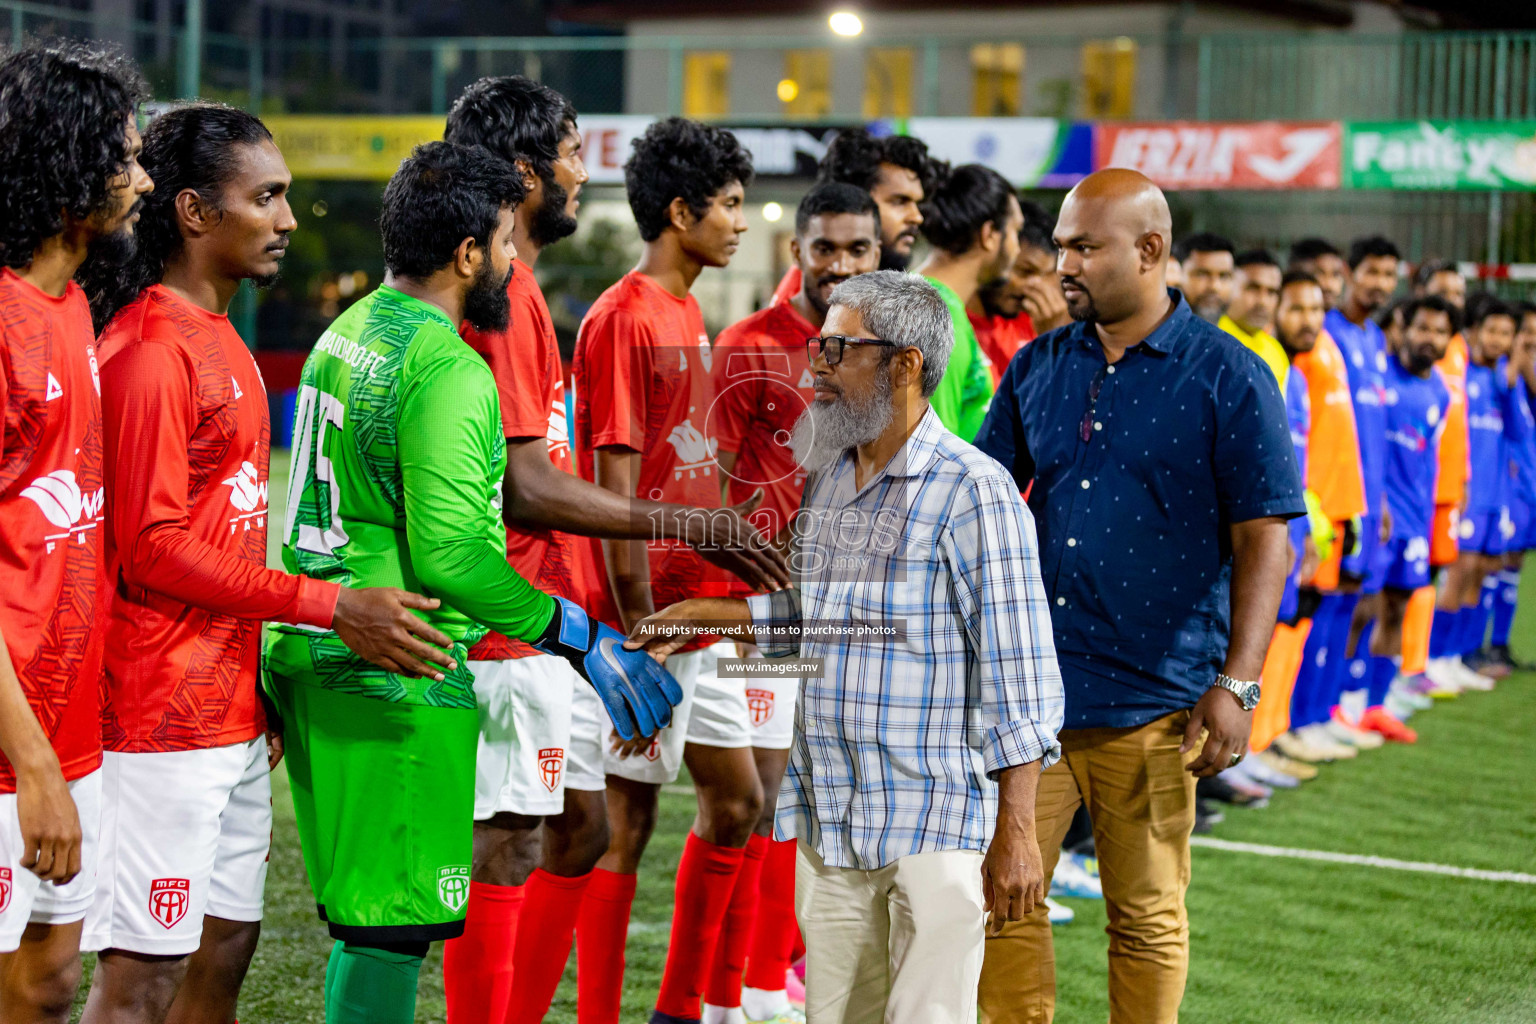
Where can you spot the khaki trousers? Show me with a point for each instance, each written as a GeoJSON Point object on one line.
{"type": "Point", "coordinates": [1143, 806]}
{"type": "Point", "coordinates": [900, 945]}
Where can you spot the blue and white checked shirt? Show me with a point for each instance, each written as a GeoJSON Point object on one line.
{"type": "Point", "coordinates": [899, 741]}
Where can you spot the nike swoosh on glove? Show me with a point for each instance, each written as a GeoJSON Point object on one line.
{"type": "Point", "coordinates": [638, 693]}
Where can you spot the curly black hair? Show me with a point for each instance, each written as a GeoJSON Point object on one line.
{"type": "Point", "coordinates": [515, 118]}
{"type": "Point", "coordinates": [189, 147]}
{"type": "Point", "coordinates": [64, 108]}
{"type": "Point", "coordinates": [441, 195]}
{"type": "Point", "coordinates": [679, 158]}
{"type": "Point", "coordinates": [973, 195]}
{"type": "Point", "coordinates": [854, 157]}
{"type": "Point", "coordinates": [1306, 250]}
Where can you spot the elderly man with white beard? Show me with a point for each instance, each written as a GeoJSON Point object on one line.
{"type": "Point", "coordinates": [930, 698]}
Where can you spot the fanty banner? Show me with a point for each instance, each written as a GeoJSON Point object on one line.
{"type": "Point", "coordinates": [1217, 155]}
{"type": "Point", "coordinates": [1459, 155]}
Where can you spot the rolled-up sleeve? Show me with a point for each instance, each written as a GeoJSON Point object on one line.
{"type": "Point", "coordinates": [995, 564]}
{"type": "Point", "coordinates": [776, 621]}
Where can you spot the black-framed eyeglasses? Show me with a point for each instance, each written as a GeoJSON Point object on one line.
{"type": "Point", "coordinates": [832, 346]}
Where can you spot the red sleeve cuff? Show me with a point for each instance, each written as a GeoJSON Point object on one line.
{"type": "Point", "coordinates": [315, 604]}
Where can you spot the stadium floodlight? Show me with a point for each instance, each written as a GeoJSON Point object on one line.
{"type": "Point", "coordinates": [772, 212]}
{"type": "Point", "coordinates": [788, 89]}
{"type": "Point", "coordinates": [845, 23]}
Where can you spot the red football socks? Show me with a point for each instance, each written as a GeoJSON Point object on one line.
{"type": "Point", "coordinates": [706, 876]}
{"type": "Point", "coordinates": [602, 925]}
{"type": "Point", "coordinates": [477, 966]}
{"type": "Point", "coordinates": [544, 942]}
{"type": "Point", "coordinates": [775, 931]}
{"type": "Point", "coordinates": [724, 988]}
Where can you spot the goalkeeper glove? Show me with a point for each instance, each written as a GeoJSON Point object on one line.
{"type": "Point", "coordinates": [638, 693]}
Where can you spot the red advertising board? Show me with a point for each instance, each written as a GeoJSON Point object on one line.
{"type": "Point", "coordinates": [1250, 154]}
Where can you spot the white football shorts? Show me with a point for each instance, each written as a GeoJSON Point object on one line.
{"type": "Point", "coordinates": [184, 834]}
{"type": "Point", "coordinates": [26, 899]}
{"type": "Point", "coordinates": [529, 751]}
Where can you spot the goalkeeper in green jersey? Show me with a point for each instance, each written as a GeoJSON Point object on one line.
{"type": "Point", "coordinates": [398, 459]}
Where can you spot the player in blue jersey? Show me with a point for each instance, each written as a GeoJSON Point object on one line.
{"type": "Point", "coordinates": [1373, 263]}
{"type": "Point", "coordinates": [1415, 400]}
{"type": "Point", "coordinates": [1487, 528]}
{"type": "Point", "coordinates": [1506, 594]}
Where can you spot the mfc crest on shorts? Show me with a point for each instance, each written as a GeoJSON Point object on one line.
{"type": "Point", "coordinates": [205, 853]}
{"type": "Point", "coordinates": [714, 713]}
{"type": "Point", "coordinates": [24, 898]}
{"type": "Point", "coordinates": [530, 753]}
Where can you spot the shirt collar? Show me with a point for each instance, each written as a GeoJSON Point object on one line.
{"type": "Point", "coordinates": [1164, 339]}
{"type": "Point", "coordinates": [910, 460]}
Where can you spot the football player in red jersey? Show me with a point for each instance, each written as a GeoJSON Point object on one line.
{"type": "Point", "coordinates": [898, 172]}
{"type": "Point", "coordinates": [188, 747]}
{"type": "Point", "coordinates": [763, 384]}
{"type": "Point", "coordinates": [69, 160]}
{"type": "Point", "coordinates": [643, 382]}
{"type": "Point", "coordinates": [540, 757]}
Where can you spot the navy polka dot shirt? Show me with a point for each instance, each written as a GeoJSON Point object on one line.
{"type": "Point", "coordinates": [1133, 495]}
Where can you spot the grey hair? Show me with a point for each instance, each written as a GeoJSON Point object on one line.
{"type": "Point", "coordinates": [902, 308]}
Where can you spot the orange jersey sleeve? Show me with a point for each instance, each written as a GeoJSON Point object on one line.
{"type": "Point", "coordinates": [1455, 469]}
{"type": "Point", "coordinates": [1333, 452]}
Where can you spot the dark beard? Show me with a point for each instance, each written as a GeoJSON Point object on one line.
{"type": "Point", "coordinates": [890, 259]}
{"type": "Point", "coordinates": [267, 280]}
{"type": "Point", "coordinates": [487, 306]}
{"type": "Point", "coordinates": [550, 221]}
{"type": "Point", "coordinates": [114, 250]}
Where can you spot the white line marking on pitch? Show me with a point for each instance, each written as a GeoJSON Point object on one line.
{"type": "Point", "coordinates": [1364, 861]}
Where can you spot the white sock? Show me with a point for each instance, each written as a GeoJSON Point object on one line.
{"type": "Point", "coordinates": [723, 1015]}
{"type": "Point", "coordinates": [763, 1004]}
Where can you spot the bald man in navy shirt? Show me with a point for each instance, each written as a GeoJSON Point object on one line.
{"type": "Point", "coordinates": [1163, 479]}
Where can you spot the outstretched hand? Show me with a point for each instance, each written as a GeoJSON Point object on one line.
{"type": "Point", "coordinates": [724, 538]}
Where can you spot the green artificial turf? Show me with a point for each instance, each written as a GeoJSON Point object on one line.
{"type": "Point", "coordinates": [1273, 940]}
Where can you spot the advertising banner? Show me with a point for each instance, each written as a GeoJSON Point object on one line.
{"type": "Point", "coordinates": [1216, 155]}
{"type": "Point", "coordinates": [777, 152]}
{"type": "Point", "coordinates": [342, 146]}
{"type": "Point", "coordinates": [1031, 152]}
{"type": "Point", "coordinates": [1460, 155]}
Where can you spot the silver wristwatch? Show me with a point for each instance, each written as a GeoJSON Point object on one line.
{"type": "Point", "coordinates": [1247, 694]}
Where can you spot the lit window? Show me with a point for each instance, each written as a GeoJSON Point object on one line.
{"type": "Point", "coordinates": [706, 84]}
{"type": "Point", "coordinates": [1109, 78]}
{"type": "Point", "coordinates": [888, 83]}
{"type": "Point", "coordinates": [806, 89]}
{"type": "Point", "coordinates": [997, 79]}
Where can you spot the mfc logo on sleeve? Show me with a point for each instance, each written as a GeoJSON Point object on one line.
{"type": "Point", "coordinates": [168, 900]}
{"type": "Point", "coordinates": [5, 889]}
